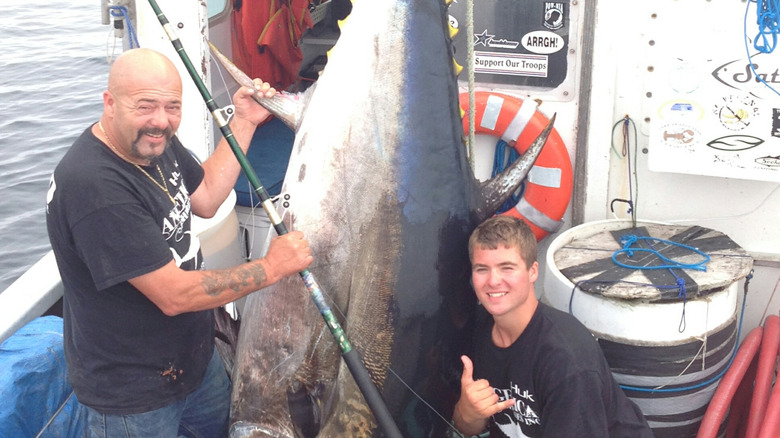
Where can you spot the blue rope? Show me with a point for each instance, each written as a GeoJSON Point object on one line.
{"type": "Point", "coordinates": [629, 240]}
{"type": "Point", "coordinates": [686, 388]}
{"type": "Point", "coordinates": [720, 374]}
{"type": "Point", "coordinates": [768, 21]}
{"type": "Point", "coordinates": [500, 161]}
{"type": "Point", "coordinates": [130, 30]}
{"type": "Point", "coordinates": [680, 282]}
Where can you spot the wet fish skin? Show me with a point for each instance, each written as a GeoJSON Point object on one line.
{"type": "Point", "coordinates": [379, 182]}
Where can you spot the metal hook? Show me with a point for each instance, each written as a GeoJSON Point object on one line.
{"type": "Point", "coordinates": [630, 205]}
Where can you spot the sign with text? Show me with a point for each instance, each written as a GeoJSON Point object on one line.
{"type": "Point", "coordinates": [516, 42]}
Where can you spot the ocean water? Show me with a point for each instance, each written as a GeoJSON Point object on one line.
{"type": "Point", "coordinates": [53, 69]}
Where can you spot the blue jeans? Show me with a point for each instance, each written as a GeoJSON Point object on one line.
{"type": "Point", "coordinates": [202, 414]}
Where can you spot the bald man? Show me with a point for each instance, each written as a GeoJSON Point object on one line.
{"type": "Point", "coordinates": [138, 329]}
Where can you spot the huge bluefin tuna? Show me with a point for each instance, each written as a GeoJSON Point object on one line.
{"type": "Point", "coordinates": [379, 182]}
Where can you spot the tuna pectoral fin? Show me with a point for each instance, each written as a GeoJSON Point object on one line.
{"type": "Point", "coordinates": [305, 410]}
{"type": "Point", "coordinates": [286, 106]}
{"type": "Point", "coordinates": [499, 188]}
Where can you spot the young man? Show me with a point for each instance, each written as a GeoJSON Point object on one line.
{"type": "Point", "coordinates": [537, 371]}
{"type": "Point", "coordinates": [138, 329]}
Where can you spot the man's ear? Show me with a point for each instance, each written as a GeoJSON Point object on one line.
{"type": "Point", "coordinates": [108, 103]}
{"type": "Point", "coordinates": [533, 272]}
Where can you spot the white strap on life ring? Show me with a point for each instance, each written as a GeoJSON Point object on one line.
{"type": "Point", "coordinates": [545, 176]}
{"type": "Point", "coordinates": [539, 219]}
{"type": "Point", "coordinates": [518, 123]}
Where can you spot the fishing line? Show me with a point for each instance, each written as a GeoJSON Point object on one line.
{"type": "Point", "coordinates": [769, 301]}
{"type": "Point", "coordinates": [110, 50]}
{"type": "Point", "coordinates": [392, 371]}
{"type": "Point", "coordinates": [701, 352]}
{"type": "Point", "coordinates": [51, 420]}
{"type": "Point", "coordinates": [431, 408]}
{"type": "Point", "coordinates": [126, 18]}
{"type": "Point", "coordinates": [720, 374]}
{"type": "Point", "coordinates": [225, 86]}
{"type": "Point", "coordinates": [253, 206]}
{"type": "Point", "coordinates": [116, 12]}
{"type": "Point", "coordinates": [735, 216]}
{"type": "Point", "coordinates": [686, 388]}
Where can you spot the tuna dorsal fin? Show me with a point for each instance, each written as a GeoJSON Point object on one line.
{"type": "Point", "coordinates": [287, 107]}
{"type": "Point", "coordinates": [499, 188]}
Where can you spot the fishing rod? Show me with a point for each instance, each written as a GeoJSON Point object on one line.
{"type": "Point", "coordinates": [354, 363]}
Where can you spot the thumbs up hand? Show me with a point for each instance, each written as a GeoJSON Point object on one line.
{"type": "Point", "coordinates": [478, 401]}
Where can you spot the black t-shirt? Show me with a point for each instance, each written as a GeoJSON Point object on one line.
{"type": "Point", "coordinates": [107, 223]}
{"type": "Point", "coordinates": [559, 379]}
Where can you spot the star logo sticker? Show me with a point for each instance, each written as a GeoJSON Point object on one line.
{"type": "Point", "coordinates": [482, 38]}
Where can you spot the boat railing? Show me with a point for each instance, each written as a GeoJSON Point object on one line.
{"type": "Point", "coordinates": [30, 295]}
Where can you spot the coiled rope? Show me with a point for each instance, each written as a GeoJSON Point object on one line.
{"type": "Point", "coordinates": [121, 11]}
{"type": "Point", "coordinates": [661, 388]}
{"type": "Point", "coordinates": [500, 161]}
{"type": "Point", "coordinates": [629, 240]}
{"type": "Point", "coordinates": [768, 21]}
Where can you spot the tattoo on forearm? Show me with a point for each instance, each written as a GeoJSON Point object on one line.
{"type": "Point", "coordinates": [240, 278]}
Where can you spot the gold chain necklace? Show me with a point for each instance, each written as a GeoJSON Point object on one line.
{"type": "Point", "coordinates": [163, 186]}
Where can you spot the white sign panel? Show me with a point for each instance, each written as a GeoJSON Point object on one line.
{"type": "Point", "coordinates": [713, 115]}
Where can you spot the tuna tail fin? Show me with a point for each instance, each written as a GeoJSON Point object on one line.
{"type": "Point", "coordinates": [287, 107]}
{"type": "Point", "coordinates": [499, 188]}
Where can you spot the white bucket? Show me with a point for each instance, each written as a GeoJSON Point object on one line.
{"type": "Point", "coordinates": [665, 348]}
{"type": "Point", "coordinates": [219, 238]}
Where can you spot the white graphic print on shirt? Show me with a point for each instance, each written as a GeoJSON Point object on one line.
{"type": "Point", "coordinates": [173, 226]}
{"type": "Point", "coordinates": [509, 421]}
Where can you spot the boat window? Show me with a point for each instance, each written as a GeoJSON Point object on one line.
{"type": "Point", "coordinates": [215, 7]}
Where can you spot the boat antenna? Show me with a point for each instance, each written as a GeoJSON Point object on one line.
{"type": "Point", "coordinates": [354, 363]}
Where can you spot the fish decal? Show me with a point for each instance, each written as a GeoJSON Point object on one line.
{"type": "Point", "coordinates": [379, 182]}
{"type": "Point", "coordinates": [735, 142]}
{"type": "Point", "coordinates": [769, 161]}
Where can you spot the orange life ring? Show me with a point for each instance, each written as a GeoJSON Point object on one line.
{"type": "Point", "coordinates": [550, 182]}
